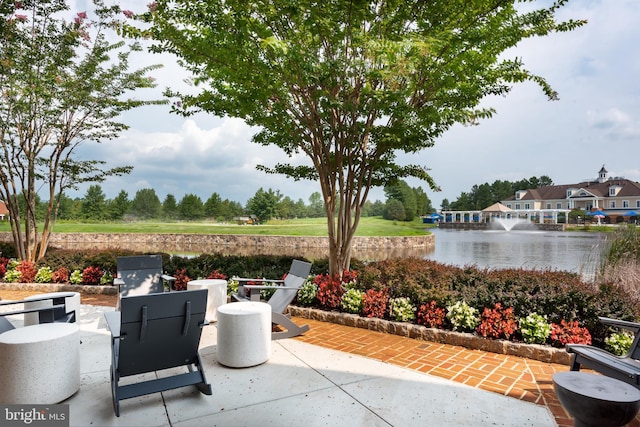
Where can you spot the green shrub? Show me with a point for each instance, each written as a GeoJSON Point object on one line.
{"type": "Point", "coordinates": [534, 328]}
{"type": "Point", "coordinates": [307, 294]}
{"type": "Point", "coordinates": [352, 301]}
{"type": "Point", "coordinates": [402, 309]}
{"type": "Point", "coordinates": [44, 275]}
{"type": "Point", "coordinates": [76, 277]}
{"type": "Point", "coordinates": [618, 343]}
{"type": "Point", "coordinates": [107, 278]}
{"type": "Point", "coordinates": [12, 276]}
{"type": "Point", "coordinates": [463, 317]}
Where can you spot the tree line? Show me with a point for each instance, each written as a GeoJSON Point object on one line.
{"type": "Point", "coordinates": [403, 203]}
{"type": "Point", "coordinates": [486, 194]}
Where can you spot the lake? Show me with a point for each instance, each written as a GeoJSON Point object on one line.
{"type": "Point", "coordinates": [577, 251]}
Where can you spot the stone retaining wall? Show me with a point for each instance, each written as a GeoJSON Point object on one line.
{"type": "Point", "coordinates": [409, 330]}
{"type": "Point", "coordinates": [238, 244]}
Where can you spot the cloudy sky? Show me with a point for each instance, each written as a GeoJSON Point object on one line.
{"type": "Point", "coordinates": [595, 69]}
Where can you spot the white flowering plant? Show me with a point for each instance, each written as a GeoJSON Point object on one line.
{"type": "Point", "coordinates": [463, 317]}
{"type": "Point", "coordinates": [535, 328]}
{"type": "Point", "coordinates": [618, 343]}
{"type": "Point", "coordinates": [351, 301]}
{"type": "Point", "coordinates": [402, 309]}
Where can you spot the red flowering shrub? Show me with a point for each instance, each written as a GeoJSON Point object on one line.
{"type": "Point", "coordinates": [27, 271]}
{"type": "Point", "coordinates": [497, 322]}
{"type": "Point", "coordinates": [181, 279]}
{"type": "Point", "coordinates": [374, 303]}
{"type": "Point", "coordinates": [329, 290]}
{"type": "Point", "coordinates": [216, 274]}
{"type": "Point", "coordinates": [3, 266]}
{"type": "Point", "coordinates": [61, 275]}
{"type": "Point", "coordinates": [431, 315]}
{"type": "Point", "coordinates": [569, 333]}
{"type": "Point", "coordinates": [91, 275]}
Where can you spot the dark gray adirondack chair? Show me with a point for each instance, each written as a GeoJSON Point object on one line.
{"type": "Point", "coordinates": [57, 312]}
{"type": "Point", "coordinates": [625, 368]}
{"type": "Point", "coordinates": [156, 332]}
{"type": "Point", "coordinates": [286, 291]}
{"type": "Point", "coordinates": [141, 275]}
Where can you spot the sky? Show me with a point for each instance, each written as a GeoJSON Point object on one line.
{"type": "Point", "coordinates": [595, 69]}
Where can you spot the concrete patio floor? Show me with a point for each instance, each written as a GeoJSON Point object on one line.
{"type": "Point", "coordinates": [301, 384]}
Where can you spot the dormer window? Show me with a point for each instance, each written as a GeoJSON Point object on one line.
{"type": "Point", "coordinates": [613, 190]}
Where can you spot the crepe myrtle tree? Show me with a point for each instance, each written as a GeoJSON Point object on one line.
{"type": "Point", "coordinates": [351, 84]}
{"type": "Point", "coordinates": [62, 84]}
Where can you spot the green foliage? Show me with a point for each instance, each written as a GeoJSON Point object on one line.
{"type": "Point", "coordinates": [308, 292]}
{"type": "Point", "coordinates": [402, 309]}
{"type": "Point", "coordinates": [624, 245]}
{"type": "Point", "coordinates": [349, 85]}
{"type": "Point", "coordinates": [486, 194]}
{"type": "Point", "coordinates": [44, 275]}
{"type": "Point", "coordinates": [64, 83]}
{"type": "Point", "coordinates": [76, 277]}
{"type": "Point", "coordinates": [462, 316]}
{"type": "Point", "coordinates": [351, 301]}
{"type": "Point", "coordinates": [12, 276]}
{"type": "Point", "coordinates": [146, 204]}
{"type": "Point", "coordinates": [264, 204]}
{"type": "Point", "coordinates": [191, 207]}
{"type": "Point", "coordinates": [618, 343]}
{"type": "Point", "coordinates": [534, 328]}
{"type": "Point", "coordinates": [107, 278]}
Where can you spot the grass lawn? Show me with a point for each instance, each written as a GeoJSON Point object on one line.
{"type": "Point", "coordinates": [369, 226]}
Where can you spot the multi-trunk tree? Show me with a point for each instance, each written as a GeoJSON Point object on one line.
{"type": "Point", "coordinates": [62, 83]}
{"type": "Point", "coordinates": [351, 84]}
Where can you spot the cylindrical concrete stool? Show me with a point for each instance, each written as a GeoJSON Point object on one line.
{"type": "Point", "coordinates": [595, 400]}
{"type": "Point", "coordinates": [40, 364]}
{"type": "Point", "coordinates": [244, 334]}
{"type": "Point", "coordinates": [72, 303]}
{"type": "Point", "coordinates": [216, 296]}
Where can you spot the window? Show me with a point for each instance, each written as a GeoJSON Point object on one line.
{"type": "Point", "coordinates": [612, 191]}
{"type": "Point", "coordinates": [569, 192]}
{"type": "Point", "coordinates": [612, 204]}
{"type": "Point", "coordinates": [509, 205]}
{"type": "Point", "coordinates": [517, 206]}
{"type": "Point", "coordinates": [625, 203]}
{"type": "Point", "coordinates": [548, 205]}
{"type": "Point", "coordinates": [637, 203]}
{"type": "Point", "coordinates": [569, 205]}
{"type": "Point", "coordinates": [527, 206]}
{"type": "Point", "coordinates": [558, 205]}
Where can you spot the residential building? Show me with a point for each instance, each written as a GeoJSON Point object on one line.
{"type": "Point", "coordinates": [617, 197]}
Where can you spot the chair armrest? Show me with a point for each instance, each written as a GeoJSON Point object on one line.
{"type": "Point", "coordinates": [244, 279]}
{"type": "Point", "coordinates": [632, 326]}
{"type": "Point", "coordinates": [32, 310]}
{"type": "Point", "coordinates": [168, 278]}
{"type": "Point", "coordinates": [113, 322]}
{"type": "Point", "coordinates": [268, 287]}
{"type": "Point", "coordinates": [118, 281]}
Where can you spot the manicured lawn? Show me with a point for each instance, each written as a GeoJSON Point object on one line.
{"type": "Point", "coordinates": [370, 226]}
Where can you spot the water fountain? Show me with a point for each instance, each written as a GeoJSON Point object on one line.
{"type": "Point", "coordinates": [509, 224]}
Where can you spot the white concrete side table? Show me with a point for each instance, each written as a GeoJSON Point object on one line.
{"type": "Point", "coordinates": [40, 364]}
{"type": "Point", "coordinates": [217, 295]}
{"type": "Point", "coordinates": [244, 334]}
{"type": "Point", "coordinates": [72, 303]}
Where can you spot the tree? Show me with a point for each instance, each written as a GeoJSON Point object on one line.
{"type": "Point", "coordinates": [401, 192]}
{"type": "Point", "coordinates": [394, 210]}
{"type": "Point", "coordinates": [62, 84]}
{"type": "Point", "coordinates": [349, 84]}
{"type": "Point", "coordinates": [191, 207]}
{"type": "Point", "coordinates": [212, 206]}
{"type": "Point", "coordinates": [170, 207]}
{"type": "Point", "coordinates": [94, 204]}
{"type": "Point", "coordinates": [264, 204]}
{"type": "Point", "coordinates": [119, 206]}
{"type": "Point", "coordinates": [146, 204]}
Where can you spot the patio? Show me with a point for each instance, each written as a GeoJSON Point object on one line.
{"type": "Point", "coordinates": [333, 375]}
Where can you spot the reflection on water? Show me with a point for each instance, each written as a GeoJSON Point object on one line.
{"type": "Point", "coordinates": [568, 251]}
